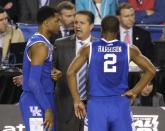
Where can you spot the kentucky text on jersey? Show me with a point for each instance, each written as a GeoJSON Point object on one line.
{"type": "Point", "coordinates": [109, 49]}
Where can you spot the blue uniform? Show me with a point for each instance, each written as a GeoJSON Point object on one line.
{"type": "Point", "coordinates": [108, 79]}
{"type": "Point", "coordinates": [34, 101]}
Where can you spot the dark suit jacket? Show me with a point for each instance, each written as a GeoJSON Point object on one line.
{"type": "Point", "coordinates": [142, 39]}
{"type": "Point", "coordinates": [59, 35]}
{"type": "Point", "coordinates": [63, 54]}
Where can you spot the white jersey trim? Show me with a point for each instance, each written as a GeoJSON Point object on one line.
{"type": "Point", "coordinates": [109, 41]}
{"type": "Point", "coordinates": [43, 37]}
{"type": "Point", "coordinates": [90, 52]}
{"type": "Point", "coordinates": [32, 45]}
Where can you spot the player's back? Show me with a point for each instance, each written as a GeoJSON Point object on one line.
{"type": "Point", "coordinates": [108, 68]}
{"type": "Point", "coordinates": [45, 80]}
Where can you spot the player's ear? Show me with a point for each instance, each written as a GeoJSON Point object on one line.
{"type": "Point", "coordinates": [46, 22]}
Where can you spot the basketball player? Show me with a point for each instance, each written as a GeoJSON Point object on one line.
{"type": "Point", "coordinates": [37, 100]}
{"type": "Point", "coordinates": [108, 107]}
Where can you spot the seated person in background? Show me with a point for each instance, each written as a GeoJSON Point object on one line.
{"type": "Point", "coordinates": [100, 8]}
{"type": "Point", "coordinates": [130, 33]}
{"type": "Point", "coordinates": [8, 34]}
{"type": "Point", "coordinates": [148, 11]}
{"type": "Point", "coordinates": [67, 12]}
{"type": "Point", "coordinates": [11, 6]}
{"type": "Point", "coordinates": [149, 97]}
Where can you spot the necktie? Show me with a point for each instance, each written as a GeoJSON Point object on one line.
{"type": "Point", "coordinates": [127, 37]}
{"type": "Point", "coordinates": [82, 80]}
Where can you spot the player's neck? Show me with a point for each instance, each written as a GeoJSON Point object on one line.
{"type": "Point", "coordinates": [44, 33]}
{"type": "Point", "coordinates": [109, 36]}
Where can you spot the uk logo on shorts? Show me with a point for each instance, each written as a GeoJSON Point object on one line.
{"type": "Point", "coordinates": [35, 111]}
{"type": "Point", "coordinates": [145, 122]}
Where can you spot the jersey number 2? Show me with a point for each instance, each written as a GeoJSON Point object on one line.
{"type": "Point", "coordinates": [109, 63]}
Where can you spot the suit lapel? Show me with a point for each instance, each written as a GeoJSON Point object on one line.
{"type": "Point", "coordinates": [134, 35]}
{"type": "Point", "coordinates": [72, 47]}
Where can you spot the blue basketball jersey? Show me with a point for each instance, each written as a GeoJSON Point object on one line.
{"type": "Point", "coordinates": [46, 81]}
{"type": "Point", "coordinates": [108, 68]}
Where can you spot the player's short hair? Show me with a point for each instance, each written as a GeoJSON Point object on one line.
{"type": "Point", "coordinates": [123, 6]}
{"type": "Point", "coordinates": [110, 24]}
{"type": "Point", "coordinates": [44, 13]}
{"type": "Point", "coordinates": [89, 14]}
{"type": "Point", "coordinates": [65, 5]}
{"type": "Point", "coordinates": [2, 10]}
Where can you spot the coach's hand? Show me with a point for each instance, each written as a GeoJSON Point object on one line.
{"type": "Point", "coordinates": [56, 74]}
{"type": "Point", "coordinates": [79, 109]}
{"type": "Point", "coordinates": [17, 80]}
{"type": "Point", "coordinates": [49, 121]}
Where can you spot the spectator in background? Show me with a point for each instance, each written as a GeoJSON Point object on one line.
{"type": "Point", "coordinates": [8, 34]}
{"type": "Point", "coordinates": [100, 8]}
{"type": "Point", "coordinates": [131, 33]}
{"type": "Point", "coordinates": [29, 8]}
{"type": "Point", "coordinates": [11, 6]}
{"type": "Point", "coordinates": [149, 97]}
{"type": "Point", "coordinates": [149, 11]}
{"type": "Point", "coordinates": [67, 13]}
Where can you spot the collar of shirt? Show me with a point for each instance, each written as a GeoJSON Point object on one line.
{"type": "Point", "coordinates": [122, 33]}
{"type": "Point", "coordinates": [86, 41]}
{"type": "Point", "coordinates": [62, 29]}
{"type": "Point", "coordinates": [78, 45]}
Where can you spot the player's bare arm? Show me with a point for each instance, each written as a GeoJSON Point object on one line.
{"type": "Point", "coordinates": [76, 64]}
{"type": "Point", "coordinates": [38, 53]}
{"type": "Point", "coordinates": [147, 68]}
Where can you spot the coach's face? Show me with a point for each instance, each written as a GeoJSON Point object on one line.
{"type": "Point", "coordinates": [82, 26]}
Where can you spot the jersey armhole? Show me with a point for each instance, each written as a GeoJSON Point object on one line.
{"type": "Point", "coordinates": [32, 45]}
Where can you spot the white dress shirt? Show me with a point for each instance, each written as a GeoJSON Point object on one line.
{"type": "Point", "coordinates": [79, 45]}
{"type": "Point", "coordinates": [122, 34]}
